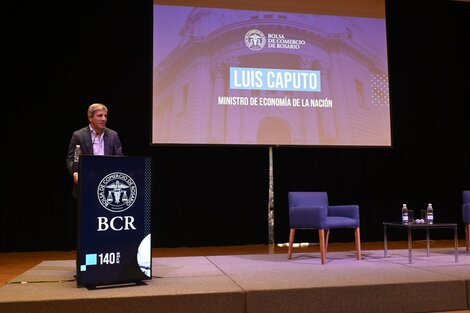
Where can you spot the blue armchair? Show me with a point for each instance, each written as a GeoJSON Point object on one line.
{"type": "Point", "coordinates": [466, 215]}
{"type": "Point", "coordinates": [311, 210]}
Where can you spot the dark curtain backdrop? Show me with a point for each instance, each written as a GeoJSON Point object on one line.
{"type": "Point", "coordinates": [63, 56]}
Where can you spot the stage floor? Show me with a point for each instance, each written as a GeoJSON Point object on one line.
{"type": "Point", "coordinates": [259, 283]}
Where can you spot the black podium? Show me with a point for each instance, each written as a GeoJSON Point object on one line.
{"type": "Point", "coordinates": [114, 221]}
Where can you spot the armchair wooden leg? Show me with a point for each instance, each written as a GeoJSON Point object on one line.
{"type": "Point", "coordinates": [291, 243]}
{"type": "Point", "coordinates": [327, 238]}
{"type": "Point", "coordinates": [467, 236]}
{"type": "Point", "coordinates": [321, 235]}
{"type": "Point", "coordinates": [357, 235]}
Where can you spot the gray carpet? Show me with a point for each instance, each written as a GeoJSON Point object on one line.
{"type": "Point", "coordinates": [259, 283]}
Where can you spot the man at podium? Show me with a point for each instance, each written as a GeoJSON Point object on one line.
{"type": "Point", "coordinates": [93, 139]}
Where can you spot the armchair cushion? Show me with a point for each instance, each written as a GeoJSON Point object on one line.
{"type": "Point", "coordinates": [339, 222]}
{"type": "Point", "coordinates": [307, 217]}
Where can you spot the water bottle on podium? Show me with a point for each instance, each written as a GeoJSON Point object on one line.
{"type": "Point", "coordinates": [76, 157]}
{"type": "Point", "coordinates": [77, 153]}
{"type": "Point", "coordinates": [429, 214]}
{"type": "Point", "coordinates": [404, 214]}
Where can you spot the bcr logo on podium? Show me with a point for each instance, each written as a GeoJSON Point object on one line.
{"type": "Point", "coordinates": [117, 223]}
{"type": "Point", "coordinates": [116, 192]}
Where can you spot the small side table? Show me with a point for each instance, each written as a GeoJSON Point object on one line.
{"type": "Point", "coordinates": [427, 227]}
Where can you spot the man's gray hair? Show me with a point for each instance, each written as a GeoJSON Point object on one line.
{"type": "Point", "coordinates": [95, 107]}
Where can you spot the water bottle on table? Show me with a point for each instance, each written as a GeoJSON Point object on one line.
{"type": "Point", "coordinates": [429, 214]}
{"type": "Point", "coordinates": [404, 214]}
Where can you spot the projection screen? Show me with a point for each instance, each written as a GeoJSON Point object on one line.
{"type": "Point", "coordinates": [312, 75]}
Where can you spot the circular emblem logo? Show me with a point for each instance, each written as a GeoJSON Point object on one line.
{"type": "Point", "coordinates": [117, 192]}
{"type": "Point", "coordinates": [255, 39]}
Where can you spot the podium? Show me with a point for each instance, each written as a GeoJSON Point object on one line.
{"type": "Point", "coordinates": [114, 221]}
